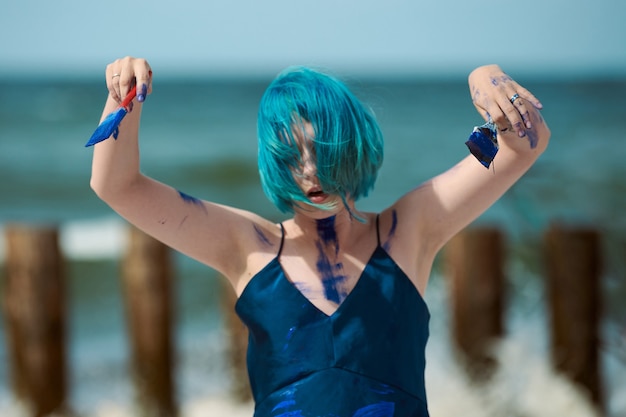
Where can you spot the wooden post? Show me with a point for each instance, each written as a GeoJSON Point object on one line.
{"type": "Point", "coordinates": [573, 267]}
{"type": "Point", "coordinates": [34, 310]}
{"type": "Point", "coordinates": [474, 260]}
{"type": "Point", "coordinates": [147, 283]}
{"type": "Point", "coordinates": [238, 344]}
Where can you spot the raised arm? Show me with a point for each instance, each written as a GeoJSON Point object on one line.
{"type": "Point", "coordinates": [441, 207]}
{"type": "Point", "coordinates": [219, 236]}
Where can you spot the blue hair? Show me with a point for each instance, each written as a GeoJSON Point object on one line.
{"type": "Point", "coordinates": [348, 143]}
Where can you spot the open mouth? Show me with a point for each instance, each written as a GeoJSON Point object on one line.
{"type": "Point", "coordinates": [316, 195]}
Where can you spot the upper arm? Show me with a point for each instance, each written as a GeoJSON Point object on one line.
{"type": "Point", "coordinates": [447, 203]}
{"type": "Point", "coordinates": [455, 198]}
{"type": "Point", "coordinates": [219, 236]}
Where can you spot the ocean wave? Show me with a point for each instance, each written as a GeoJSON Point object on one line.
{"type": "Point", "coordinates": [103, 238]}
{"type": "Point", "coordinates": [93, 239]}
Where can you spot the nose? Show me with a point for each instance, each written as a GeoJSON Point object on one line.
{"type": "Point", "coordinates": [309, 168]}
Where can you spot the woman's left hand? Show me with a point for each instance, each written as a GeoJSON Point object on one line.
{"type": "Point", "coordinates": [499, 98]}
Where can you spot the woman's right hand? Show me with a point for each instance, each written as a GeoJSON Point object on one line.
{"type": "Point", "coordinates": [125, 73]}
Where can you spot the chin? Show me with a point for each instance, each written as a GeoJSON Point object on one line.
{"type": "Point", "coordinates": [318, 213]}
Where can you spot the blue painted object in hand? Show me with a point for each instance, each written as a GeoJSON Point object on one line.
{"type": "Point", "coordinates": [110, 125]}
{"type": "Point", "coordinates": [483, 143]}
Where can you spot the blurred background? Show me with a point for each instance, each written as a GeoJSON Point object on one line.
{"type": "Point", "coordinates": [409, 61]}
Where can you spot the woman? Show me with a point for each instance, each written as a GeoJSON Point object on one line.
{"type": "Point", "coordinates": [332, 296]}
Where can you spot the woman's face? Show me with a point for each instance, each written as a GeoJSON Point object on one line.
{"type": "Point", "coordinates": [305, 175]}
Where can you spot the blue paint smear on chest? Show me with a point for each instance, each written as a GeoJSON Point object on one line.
{"type": "Point", "coordinates": [327, 233]}
{"type": "Point", "coordinates": [329, 271]}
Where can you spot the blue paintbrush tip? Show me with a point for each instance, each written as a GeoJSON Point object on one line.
{"type": "Point", "coordinates": [109, 127]}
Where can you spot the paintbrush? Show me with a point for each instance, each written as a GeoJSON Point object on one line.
{"type": "Point", "coordinates": [110, 125]}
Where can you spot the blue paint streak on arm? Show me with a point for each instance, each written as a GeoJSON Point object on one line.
{"type": "Point", "coordinates": [262, 238]}
{"type": "Point", "coordinates": [192, 200]}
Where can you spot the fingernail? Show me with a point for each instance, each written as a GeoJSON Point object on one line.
{"type": "Point", "coordinates": [528, 125]}
{"type": "Point", "coordinates": [521, 133]}
{"type": "Point", "coordinates": [142, 95]}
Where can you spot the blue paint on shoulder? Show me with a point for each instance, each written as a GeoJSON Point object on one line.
{"type": "Point", "coordinates": [262, 238]}
{"type": "Point", "coordinates": [392, 231]}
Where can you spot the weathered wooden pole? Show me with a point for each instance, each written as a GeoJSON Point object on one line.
{"type": "Point", "coordinates": [35, 316]}
{"type": "Point", "coordinates": [474, 261]}
{"type": "Point", "coordinates": [238, 344]}
{"type": "Point", "coordinates": [573, 261]}
{"type": "Point", "coordinates": [148, 288]}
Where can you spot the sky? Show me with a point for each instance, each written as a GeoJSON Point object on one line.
{"type": "Point", "coordinates": [247, 37]}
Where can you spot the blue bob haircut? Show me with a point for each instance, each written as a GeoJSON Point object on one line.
{"type": "Point", "coordinates": [347, 142]}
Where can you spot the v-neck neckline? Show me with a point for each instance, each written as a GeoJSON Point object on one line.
{"type": "Point", "coordinates": [310, 303]}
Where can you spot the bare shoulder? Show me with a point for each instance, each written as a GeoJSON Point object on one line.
{"type": "Point", "coordinates": [404, 241]}
{"type": "Point", "coordinates": [259, 243]}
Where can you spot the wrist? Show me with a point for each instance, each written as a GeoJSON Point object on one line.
{"type": "Point", "coordinates": [485, 69]}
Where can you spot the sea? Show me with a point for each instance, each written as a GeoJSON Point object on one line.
{"type": "Point", "coordinates": [199, 135]}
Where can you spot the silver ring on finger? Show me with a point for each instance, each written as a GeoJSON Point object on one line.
{"type": "Point", "coordinates": [115, 75]}
{"type": "Point", "coordinates": [513, 98]}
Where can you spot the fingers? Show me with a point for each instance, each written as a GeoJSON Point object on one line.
{"type": "Point", "coordinates": [514, 111]}
{"type": "Point", "coordinates": [528, 96]}
{"type": "Point", "coordinates": [143, 79]}
{"type": "Point", "coordinates": [123, 74]}
{"type": "Point", "coordinates": [511, 107]}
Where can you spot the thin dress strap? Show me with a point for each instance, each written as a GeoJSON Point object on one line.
{"type": "Point", "coordinates": [377, 231]}
{"type": "Point", "coordinates": [282, 239]}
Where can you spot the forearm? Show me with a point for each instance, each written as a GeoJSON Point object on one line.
{"type": "Point", "coordinates": [115, 164]}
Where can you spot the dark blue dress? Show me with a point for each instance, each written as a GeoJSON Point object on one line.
{"type": "Point", "coordinates": [364, 360]}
